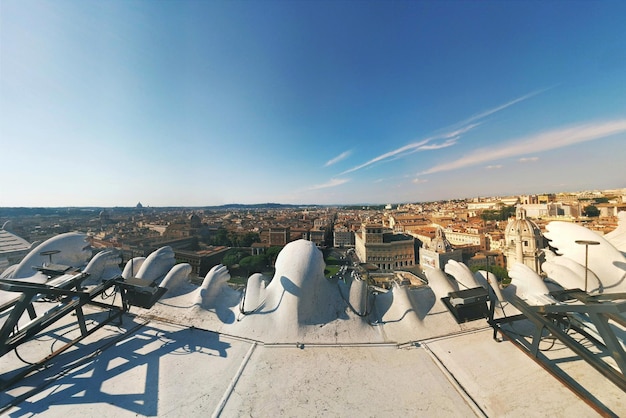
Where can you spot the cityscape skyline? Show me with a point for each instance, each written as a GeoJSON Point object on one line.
{"type": "Point", "coordinates": [330, 103]}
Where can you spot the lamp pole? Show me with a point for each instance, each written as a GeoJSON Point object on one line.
{"type": "Point", "coordinates": [586, 243]}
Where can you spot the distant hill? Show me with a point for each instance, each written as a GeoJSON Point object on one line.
{"type": "Point", "coordinates": [239, 206]}
{"type": "Point", "coordinates": [91, 211]}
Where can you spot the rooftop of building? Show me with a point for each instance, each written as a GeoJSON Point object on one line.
{"type": "Point", "coordinates": [9, 242]}
{"type": "Point", "coordinates": [391, 237]}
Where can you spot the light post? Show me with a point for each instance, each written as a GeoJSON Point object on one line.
{"type": "Point", "coordinates": [49, 253]}
{"type": "Point", "coordinates": [586, 243]}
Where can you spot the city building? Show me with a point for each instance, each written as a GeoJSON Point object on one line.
{"type": "Point", "coordinates": [201, 261]}
{"type": "Point", "coordinates": [486, 258]}
{"type": "Point", "coordinates": [467, 238]}
{"type": "Point", "coordinates": [316, 236]}
{"type": "Point", "coordinates": [406, 223]}
{"type": "Point", "coordinates": [276, 236]}
{"type": "Point", "coordinates": [551, 210]}
{"type": "Point", "coordinates": [608, 210]}
{"type": "Point", "coordinates": [377, 245]}
{"type": "Point", "coordinates": [343, 237]}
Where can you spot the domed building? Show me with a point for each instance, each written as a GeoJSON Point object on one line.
{"type": "Point", "coordinates": [523, 241]}
{"type": "Point", "coordinates": [440, 243]}
{"type": "Point", "coordinates": [104, 216]}
{"type": "Point", "coordinates": [195, 221]}
{"type": "Point", "coordinates": [439, 251]}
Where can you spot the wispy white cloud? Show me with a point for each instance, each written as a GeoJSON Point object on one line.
{"type": "Point", "coordinates": [494, 167]}
{"type": "Point", "coordinates": [419, 181]}
{"type": "Point", "coordinates": [445, 144]}
{"type": "Point", "coordinates": [330, 183]}
{"type": "Point", "coordinates": [338, 158]}
{"type": "Point", "coordinates": [528, 159]}
{"type": "Point", "coordinates": [451, 135]}
{"type": "Point", "coordinates": [402, 150]}
{"type": "Point", "coordinates": [496, 109]}
{"type": "Point", "coordinates": [457, 132]}
{"type": "Point", "coordinates": [410, 149]}
{"type": "Point", "coordinates": [543, 141]}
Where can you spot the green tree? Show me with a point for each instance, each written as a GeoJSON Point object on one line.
{"type": "Point", "coordinates": [506, 212]}
{"type": "Point", "coordinates": [501, 214]}
{"type": "Point", "coordinates": [272, 253]}
{"type": "Point", "coordinates": [249, 238]}
{"type": "Point", "coordinates": [233, 257]}
{"type": "Point", "coordinates": [254, 263]}
{"type": "Point", "coordinates": [500, 272]}
{"type": "Point", "coordinates": [591, 211]}
{"type": "Point", "coordinates": [233, 237]}
{"type": "Point", "coordinates": [221, 238]}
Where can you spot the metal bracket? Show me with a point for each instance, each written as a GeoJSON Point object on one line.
{"type": "Point", "coordinates": [598, 309]}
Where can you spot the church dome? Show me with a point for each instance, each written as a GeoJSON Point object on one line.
{"type": "Point", "coordinates": [522, 227]}
{"type": "Point", "coordinates": [104, 215]}
{"type": "Point", "coordinates": [440, 244]}
{"type": "Point", "coordinates": [195, 221]}
{"type": "Point", "coordinates": [523, 242]}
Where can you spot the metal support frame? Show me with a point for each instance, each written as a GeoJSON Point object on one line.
{"type": "Point", "coordinates": [598, 308]}
{"type": "Point", "coordinates": [69, 301]}
{"type": "Point", "coordinates": [71, 297]}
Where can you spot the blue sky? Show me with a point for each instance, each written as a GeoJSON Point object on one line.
{"type": "Point", "coordinates": [193, 103]}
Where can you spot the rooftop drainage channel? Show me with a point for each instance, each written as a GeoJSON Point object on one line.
{"type": "Point", "coordinates": [457, 385]}
{"type": "Point", "coordinates": [302, 345]}
{"type": "Point", "coordinates": [233, 383]}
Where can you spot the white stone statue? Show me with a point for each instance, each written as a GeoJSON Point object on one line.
{"type": "Point", "coordinates": [568, 273]}
{"type": "Point", "coordinates": [255, 292]}
{"type": "Point", "coordinates": [213, 284]}
{"type": "Point", "coordinates": [528, 285]}
{"type": "Point", "coordinates": [215, 295]}
{"type": "Point", "coordinates": [103, 266]}
{"type": "Point", "coordinates": [439, 283]}
{"type": "Point", "coordinates": [176, 277]}
{"type": "Point", "coordinates": [462, 274]}
{"type": "Point", "coordinates": [606, 262]}
{"type": "Point", "coordinates": [132, 267]}
{"type": "Point", "coordinates": [70, 249]}
{"type": "Point", "coordinates": [157, 264]}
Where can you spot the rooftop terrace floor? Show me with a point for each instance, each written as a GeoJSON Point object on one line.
{"type": "Point", "coordinates": [157, 367]}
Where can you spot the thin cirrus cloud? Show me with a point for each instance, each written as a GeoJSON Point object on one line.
{"type": "Point", "coordinates": [450, 137]}
{"type": "Point", "coordinates": [338, 158]}
{"type": "Point", "coordinates": [330, 183]}
{"type": "Point", "coordinates": [445, 144]}
{"type": "Point", "coordinates": [494, 167]}
{"type": "Point", "coordinates": [544, 141]}
{"type": "Point", "coordinates": [502, 107]}
{"type": "Point", "coordinates": [405, 149]}
{"type": "Point", "coordinates": [528, 159]}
